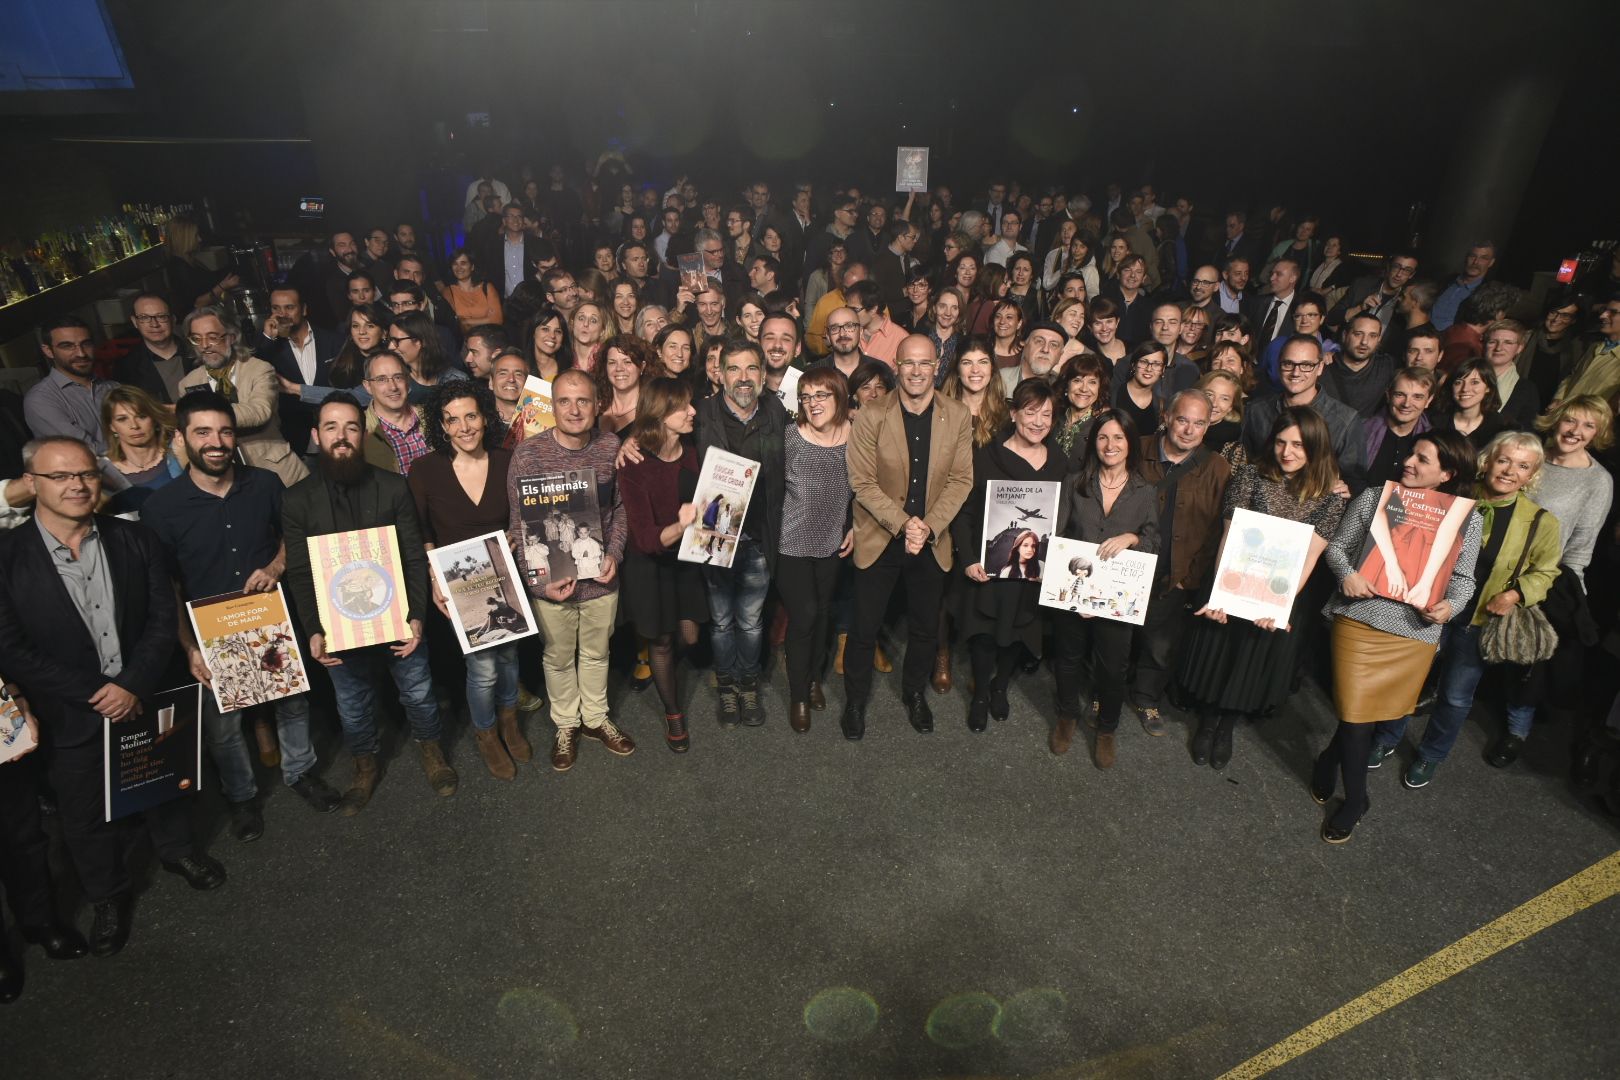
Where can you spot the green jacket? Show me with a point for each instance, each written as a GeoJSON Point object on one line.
{"type": "Point", "coordinates": [1540, 566]}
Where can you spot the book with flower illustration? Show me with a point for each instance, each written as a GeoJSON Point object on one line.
{"type": "Point", "coordinates": [1413, 543]}
{"type": "Point", "coordinates": [250, 647]}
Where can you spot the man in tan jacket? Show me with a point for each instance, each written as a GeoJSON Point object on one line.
{"type": "Point", "coordinates": [249, 384]}
{"type": "Point", "coordinates": [911, 468]}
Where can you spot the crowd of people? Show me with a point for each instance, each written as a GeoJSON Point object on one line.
{"type": "Point", "coordinates": [882, 361]}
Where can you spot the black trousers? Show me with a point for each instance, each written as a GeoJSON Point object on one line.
{"type": "Point", "coordinates": [1160, 642]}
{"type": "Point", "coordinates": [992, 663]}
{"type": "Point", "coordinates": [806, 587]}
{"type": "Point", "coordinates": [24, 869]}
{"type": "Point", "coordinates": [98, 848]}
{"type": "Point", "coordinates": [925, 585]}
{"type": "Point", "coordinates": [1106, 645]}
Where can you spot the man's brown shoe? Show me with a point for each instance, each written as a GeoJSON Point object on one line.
{"type": "Point", "coordinates": [512, 734]}
{"type": "Point", "coordinates": [799, 716]}
{"type": "Point", "coordinates": [362, 786]}
{"type": "Point", "coordinates": [1062, 735]}
{"type": "Point", "coordinates": [441, 777]}
{"type": "Point", "coordinates": [1105, 749]}
{"type": "Point", "coordinates": [611, 737]}
{"type": "Point", "coordinates": [818, 700]}
{"type": "Point", "coordinates": [565, 748]}
{"type": "Point", "coordinates": [942, 670]}
{"type": "Point", "coordinates": [493, 751]}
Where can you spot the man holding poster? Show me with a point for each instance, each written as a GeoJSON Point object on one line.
{"type": "Point", "coordinates": [87, 629]}
{"type": "Point", "coordinates": [347, 493]}
{"type": "Point", "coordinates": [220, 526]}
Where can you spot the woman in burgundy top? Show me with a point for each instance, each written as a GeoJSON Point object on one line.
{"type": "Point", "coordinates": [662, 594]}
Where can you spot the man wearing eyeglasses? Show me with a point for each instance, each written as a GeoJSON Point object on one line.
{"type": "Point", "coordinates": [87, 627]}
{"type": "Point", "coordinates": [395, 434]}
{"type": "Point", "coordinates": [160, 360]}
{"type": "Point", "coordinates": [844, 335]}
{"type": "Point", "coordinates": [1300, 372]}
{"type": "Point", "coordinates": [880, 337]}
{"type": "Point", "coordinates": [249, 384]}
{"type": "Point", "coordinates": [911, 469]}
{"type": "Point", "coordinates": [1378, 295]}
{"type": "Point", "coordinates": [1202, 288]}
{"type": "Point", "coordinates": [67, 401]}
{"type": "Point", "coordinates": [300, 352]}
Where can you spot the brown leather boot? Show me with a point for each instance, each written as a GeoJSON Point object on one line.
{"type": "Point", "coordinates": [493, 751]}
{"type": "Point", "coordinates": [838, 660]}
{"type": "Point", "coordinates": [942, 670]}
{"type": "Point", "coordinates": [441, 777]}
{"type": "Point", "coordinates": [818, 699]}
{"type": "Point", "coordinates": [799, 716]}
{"type": "Point", "coordinates": [1105, 750]}
{"type": "Point", "coordinates": [1062, 735]}
{"type": "Point", "coordinates": [366, 775]}
{"type": "Point", "coordinates": [512, 735]}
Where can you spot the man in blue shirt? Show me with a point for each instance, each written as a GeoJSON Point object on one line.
{"type": "Point", "coordinates": [1476, 264]}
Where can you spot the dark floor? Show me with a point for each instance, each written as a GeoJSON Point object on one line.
{"type": "Point", "coordinates": [777, 906]}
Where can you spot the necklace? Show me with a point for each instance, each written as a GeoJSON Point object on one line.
{"type": "Point", "coordinates": [1111, 487]}
{"type": "Point", "coordinates": [135, 467]}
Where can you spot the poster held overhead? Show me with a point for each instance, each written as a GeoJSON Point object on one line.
{"type": "Point", "coordinates": [911, 168]}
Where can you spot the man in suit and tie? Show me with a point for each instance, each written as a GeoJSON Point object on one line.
{"type": "Point", "coordinates": [1271, 313]}
{"type": "Point", "coordinates": [249, 384]}
{"type": "Point", "coordinates": [87, 627]}
{"type": "Point", "coordinates": [1238, 242]}
{"type": "Point", "coordinates": [300, 352]}
{"type": "Point", "coordinates": [994, 204]}
{"type": "Point", "coordinates": [911, 468]}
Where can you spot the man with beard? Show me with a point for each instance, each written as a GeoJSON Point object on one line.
{"type": "Point", "coordinates": [1359, 374]}
{"type": "Point", "coordinates": [1202, 288]}
{"type": "Point", "coordinates": [844, 335]}
{"type": "Point", "coordinates": [67, 401]}
{"type": "Point", "coordinates": [911, 469]}
{"type": "Point", "coordinates": [880, 337]}
{"type": "Point", "coordinates": [220, 524]}
{"type": "Point", "coordinates": [335, 276]}
{"type": "Point", "coordinates": [248, 384]}
{"type": "Point", "coordinates": [779, 340]}
{"type": "Point", "coordinates": [375, 257]}
{"type": "Point", "coordinates": [743, 421]}
{"type": "Point", "coordinates": [87, 617]}
{"type": "Point", "coordinates": [347, 493]}
{"type": "Point", "coordinates": [300, 353]}
{"type": "Point", "coordinates": [405, 246]}
{"type": "Point", "coordinates": [160, 360]}
{"type": "Point", "coordinates": [1043, 346]}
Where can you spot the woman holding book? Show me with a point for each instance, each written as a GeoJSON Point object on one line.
{"type": "Point", "coordinates": [999, 611]}
{"type": "Point", "coordinates": [1517, 565]}
{"type": "Point", "coordinates": [1237, 669]}
{"type": "Point", "coordinates": [664, 596]}
{"type": "Point", "coordinates": [1383, 648]}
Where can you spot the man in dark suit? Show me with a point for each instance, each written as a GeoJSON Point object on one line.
{"type": "Point", "coordinates": [510, 257]}
{"type": "Point", "coordinates": [301, 353]}
{"type": "Point", "coordinates": [892, 266]}
{"type": "Point", "coordinates": [346, 493]}
{"type": "Point", "coordinates": [1271, 313]}
{"type": "Point", "coordinates": [161, 359]}
{"type": "Point", "coordinates": [87, 627]}
{"type": "Point", "coordinates": [331, 305]}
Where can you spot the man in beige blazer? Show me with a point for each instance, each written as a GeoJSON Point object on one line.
{"type": "Point", "coordinates": [249, 384]}
{"type": "Point", "coordinates": [911, 468]}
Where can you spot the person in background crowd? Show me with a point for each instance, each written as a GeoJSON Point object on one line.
{"type": "Point", "coordinates": [67, 401]}
{"type": "Point", "coordinates": [249, 384]}
{"type": "Point", "coordinates": [1476, 265]}
{"type": "Point", "coordinates": [159, 359]}
{"type": "Point", "coordinates": [139, 435]}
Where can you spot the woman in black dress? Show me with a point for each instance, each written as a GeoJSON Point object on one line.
{"type": "Point", "coordinates": [1235, 668]}
{"type": "Point", "coordinates": [999, 612]}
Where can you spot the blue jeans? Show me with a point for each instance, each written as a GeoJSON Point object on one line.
{"type": "Point", "coordinates": [492, 683]}
{"type": "Point", "coordinates": [737, 608]}
{"type": "Point", "coordinates": [229, 751]}
{"type": "Point", "coordinates": [1461, 668]}
{"type": "Point", "coordinates": [357, 698]}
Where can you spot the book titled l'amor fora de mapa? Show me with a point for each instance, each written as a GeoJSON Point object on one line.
{"type": "Point", "coordinates": [360, 587]}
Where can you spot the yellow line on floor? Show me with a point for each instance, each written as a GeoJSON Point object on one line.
{"type": "Point", "coordinates": [1593, 885]}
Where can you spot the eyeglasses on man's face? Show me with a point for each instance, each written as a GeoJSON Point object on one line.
{"type": "Point", "coordinates": [89, 476]}
{"type": "Point", "coordinates": [153, 320]}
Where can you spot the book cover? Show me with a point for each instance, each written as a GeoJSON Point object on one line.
{"type": "Point", "coordinates": [562, 527]}
{"type": "Point", "coordinates": [1413, 543]}
{"type": "Point", "coordinates": [360, 587]}
{"type": "Point", "coordinates": [1076, 580]}
{"type": "Point", "coordinates": [1257, 576]}
{"type": "Point", "coordinates": [788, 392]}
{"type": "Point", "coordinates": [487, 602]}
{"type": "Point", "coordinates": [911, 168]}
{"type": "Point", "coordinates": [247, 641]}
{"type": "Point", "coordinates": [155, 757]}
{"type": "Point", "coordinates": [534, 412]}
{"type": "Point", "coordinates": [1019, 518]}
{"type": "Point", "coordinates": [725, 485]}
{"type": "Point", "coordinates": [15, 738]}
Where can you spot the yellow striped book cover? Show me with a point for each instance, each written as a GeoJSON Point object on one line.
{"type": "Point", "coordinates": [360, 587]}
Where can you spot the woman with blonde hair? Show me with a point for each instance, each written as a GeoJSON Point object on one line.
{"type": "Point", "coordinates": [1225, 392]}
{"type": "Point", "coordinates": [195, 285]}
{"type": "Point", "coordinates": [139, 431]}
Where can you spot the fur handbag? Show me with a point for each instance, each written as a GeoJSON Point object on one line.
{"type": "Point", "coordinates": [1523, 636]}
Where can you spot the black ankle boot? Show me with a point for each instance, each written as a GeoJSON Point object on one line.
{"type": "Point", "coordinates": [1220, 752]}
{"type": "Point", "coordinates": [1204, 739]}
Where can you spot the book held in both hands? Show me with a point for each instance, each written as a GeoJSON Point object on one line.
{"type": "Point", "coordinates": [360, 587]}
{"type": "Point", "coordinates": [1261, 561]}
{"type": "Point", "coordinates": [562, 527]}
{"type": "Point", "coordinates": [480, 582]}
{"type": "Point", "coordinates": [1076, 580]}
{"type": "Point", "coordinates": [724, 487]}
{"type": "Point", "coordinates": [1019, 519]}
{"type": "Point", "coordinates": [248, 643]}
{"type": "Point", "coordinates": [1413, 543]}
{"type": "Point", "coordinates": [156, 756]}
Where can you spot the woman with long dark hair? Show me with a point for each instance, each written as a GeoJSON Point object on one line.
{"type": "Point", "coordinates": [1007, 330]}
{"type": "Point", "coordinates": [1109, 504]}
{"type": "Point", "coordinates": [626, 361]}
{"type": "Point", "coordinates": [545, 341]}
{"type": "Point", "coordinates": [998, 610]}
{"type": "Point", "coordinates": [1383, 648]}
{"type": "Point", "coordinates": [1469, 405]}
{"type": "Point", "coordinates": [475, 301]}
{"type": "Point", "coordinates": [1235, 669]}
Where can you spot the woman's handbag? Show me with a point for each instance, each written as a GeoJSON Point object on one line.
{"type": "Point", "coordinates": [1523, 636]}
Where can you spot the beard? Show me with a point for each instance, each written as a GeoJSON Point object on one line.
{"type": "Point", "coordinates": [347, 471]}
